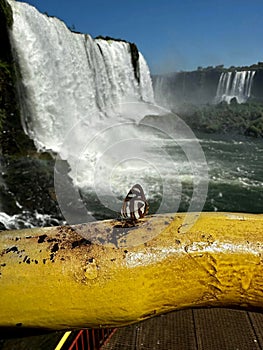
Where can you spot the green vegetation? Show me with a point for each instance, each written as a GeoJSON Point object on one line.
{"type": "Point", "coordinates": [13, 141]}
{"type": "Point", "coordinates": [6, 15]}
{"type": "Point", "coordinates": [27, 175]}
{"type": "Point", "coordinates": [245, 118]}
{"type": "Point", "coordinates": [221, 67]}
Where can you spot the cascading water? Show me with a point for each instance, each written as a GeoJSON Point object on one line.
{"type": "Point", "coordinates": [70, 77]}
{"type": "Point", "coordinates": [74, 88]}
{"type": "Point", "coordinates": [234, 84]}
{"type": "Point", "coordinates": [162, 91]}
{"type": "Point", "coordinates": [75, 84]}
{"type": "Point", "coordinates": [84, 99]}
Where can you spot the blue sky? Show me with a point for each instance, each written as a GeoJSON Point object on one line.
{"type": "Point", "coordinates": [173, 35]}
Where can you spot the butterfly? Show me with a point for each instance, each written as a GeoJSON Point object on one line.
{"type": "Point", "coordinates": [135, 205]}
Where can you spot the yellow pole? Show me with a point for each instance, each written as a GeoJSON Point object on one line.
{"type": "Point", "coordinates": [55, 278]}
{"type": "Point", "coordinates": [62, 340]}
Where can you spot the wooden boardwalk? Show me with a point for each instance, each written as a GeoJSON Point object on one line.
{"type": "Point", "coordinates": [202, 329]}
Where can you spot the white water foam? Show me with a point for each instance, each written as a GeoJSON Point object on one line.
{"type": "Point", "coordinates": [27, 220]}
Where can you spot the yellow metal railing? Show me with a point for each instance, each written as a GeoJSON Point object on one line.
{"type": "Point", "coordinates": [55, 278]}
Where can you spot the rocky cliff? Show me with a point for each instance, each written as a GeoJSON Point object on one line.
{"type": "Point", "coordinates": [201, 86]}
{"type": "Point", "coordinates": [26, 180]}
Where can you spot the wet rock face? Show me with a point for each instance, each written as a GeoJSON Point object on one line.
{"type": "Point", "coordinates": [26, 179]}
{"type": "Point", "coordinates": [27, 183]}
{"type": "Point", "coordinates": [196, 87]}
{"type": "Point", "coordinates": [256, 90]}
{"type": "Point", "coordinates": [201, 86]}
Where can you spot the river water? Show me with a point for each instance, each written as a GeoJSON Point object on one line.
{"type": "Point", "coordinates": [235, 173]}
{"type": "Point", "coordinates": [234, 177]}
{"type": "Point", "coordinates": [227, 176]}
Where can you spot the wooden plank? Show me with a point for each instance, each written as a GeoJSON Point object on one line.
{"type": "Point", "coordinates": [256, 320]}
{"type": "Point", "coordinates": [171, 331]}
{"type": "Point", "coordinates": [123, 339]}
{"type": "Point", "coordinates": [183, 330]}
{"type": "Point", "coordinates": [218, 329]}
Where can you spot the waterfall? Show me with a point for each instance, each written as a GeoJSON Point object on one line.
{"type": "Point", "coordinates": [162, 91]}
{"type": "Point", "coordinates": [71, 78]}
{"type": "Point", "coordinates": [74, 87]}
{"type": "Point", "coordinates": [234, 84]}
{"type": "Point", "coordinates": [82, 99]}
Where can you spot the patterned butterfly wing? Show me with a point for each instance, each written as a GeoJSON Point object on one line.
{"type": "Point", "coordinates": [135, 205]}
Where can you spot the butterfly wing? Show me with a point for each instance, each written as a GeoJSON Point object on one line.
{"type": "Point", "coordinates": [135, 205]}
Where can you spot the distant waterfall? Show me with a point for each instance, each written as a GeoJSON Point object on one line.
{"type": "Point", "coordinates": [162, 91]}
{"type": "Point", "coordinates": [234, 84]}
